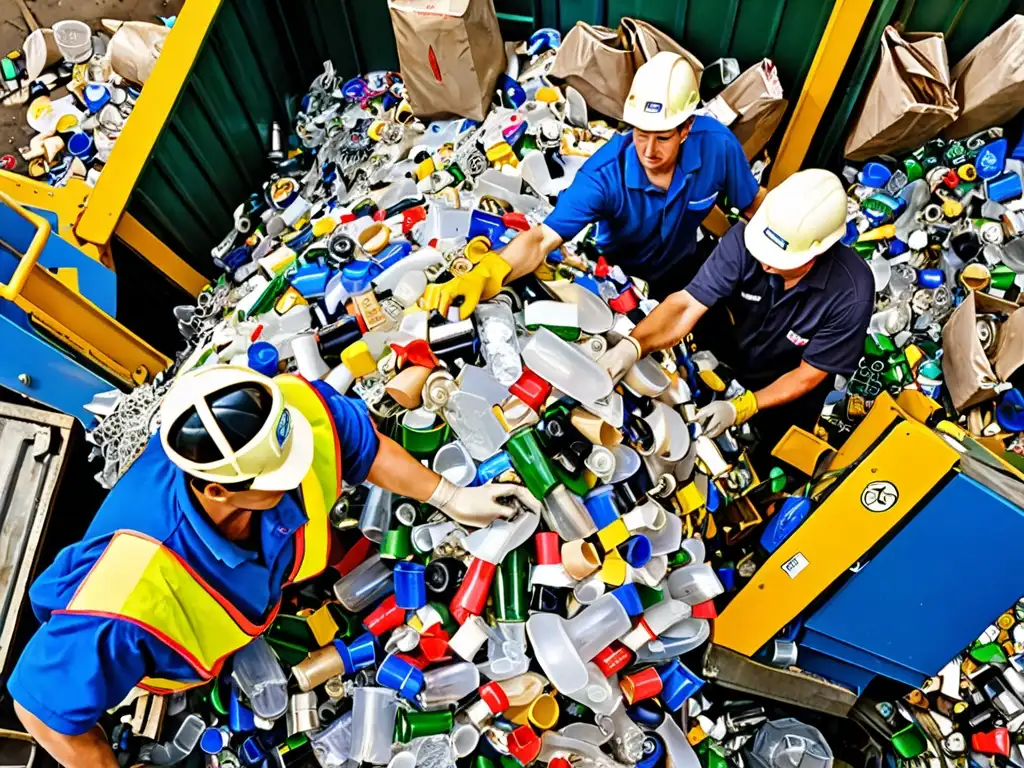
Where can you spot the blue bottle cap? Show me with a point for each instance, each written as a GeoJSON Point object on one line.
{"type": "Point", "coordinates": [1010, 411]}
{"type": "Point", "coordinates": [793, 512]}
{"type": "Point", "coordinates": [1003, 188]}
{"type": "Point", "coordinates": [874, 175]}
{"type": "Point", "coordinates": [638, 551]}
{"type": "Point", "coordinates": [653, 752]}
{"type": "Point", "coordinates": [600, 503]}
{"type": "Point", "coordinates": [310, 280]}
{"type": "Point", "coordinates": [363, 651]}
{"type": "Point", "coordinates": [355, 277]}
{"type": "Point", "coordinates": [628, 596]}
{"type": "Point", "coordinates": [80, 145]}
{"type": "Point", "coordinates": [213, 741]}
{"type": "Point", "coordinates": [897, 247]}
{"type": "Point", "coordinates": [678, 684]}
{"type": "Point", "coordinates": [493, 467]}
{"type": "Point", "coordinates": [646, 713]}
{"type": "Point", "coordinates": [345, 655]}
{"type": "Point", "coordinates": [410, 585]}
{"type": "Point", "coordinates": [852, 233]}
{"type": "Point", "coordinates": [263, 358]}
{"type": "Point", "coordinates": [95, 96]}
{"type": "Point", "coordinates": [487, 224]}
{"type": "Point", "coordinates": [991, 159]}
{"type": "Point", "coordinates": [251, 753]}
{"type": "Point", "coordinates": [399, 675]}
{"type": "Point", "coordinates": [930, 278]}
{"type": "Point", "coordinates": [727, 575]}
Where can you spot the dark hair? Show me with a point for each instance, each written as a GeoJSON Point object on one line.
{"type": "Point", "coordinates": [200, 485]}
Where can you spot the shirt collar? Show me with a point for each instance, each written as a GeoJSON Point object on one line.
{"type": "Point", "coordinates": [817, 278]}
{"type": "Point", "coordinates": [688, 162]}
{"type": "Point", "coordinates": [284, 514]}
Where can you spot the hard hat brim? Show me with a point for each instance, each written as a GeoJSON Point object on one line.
{"type": "Point", "coordinates": [769, 253]}
{"type": "Point", "coordinates": [636, 118]}
{"type": "Point", "coordinates": [299, 458]}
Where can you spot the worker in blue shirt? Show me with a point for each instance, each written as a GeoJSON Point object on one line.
{"type": "Point", "coordinates": [647, 191]}
{"type": "Point", "coordinates": [799, 300]}
{"type": "Point", "coordinates": [186, 559]}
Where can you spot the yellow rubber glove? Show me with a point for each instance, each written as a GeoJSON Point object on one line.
{"type": "Point", "coordinates": [482, 282]}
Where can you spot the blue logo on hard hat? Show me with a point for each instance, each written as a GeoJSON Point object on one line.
{"type": "Point", "coordinates": [284, 426]}
{"type": "Point", "coordinates": [653, 106]}
{"type": "Point", "coordinates": [776, 238]}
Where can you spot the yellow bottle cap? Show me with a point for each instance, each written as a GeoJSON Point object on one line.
{"type": "Point", "coordinates": [547, 95]}
{"type": "Point", "coordinates": [612, 535]}
{"type": "Point", "coordinates": [425, 168]}
{"type": "Point", "coordinates": [357, 358]}
{"type": "Point", "coordinates": [324, 226]}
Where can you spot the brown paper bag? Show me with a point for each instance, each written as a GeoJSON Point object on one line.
{"type": "Point", "coordinates": [970, 375]}
{"type": "Point", "coordinates": [910, 100]}
{"type": "Point", "coordinates": [451, 54]}
{"type": "Point", "coordinates": [988, 83]}
{"type": "Point", "coordinates": [600, 62]}
{"type": "Point", "coordinates": [752, 106]}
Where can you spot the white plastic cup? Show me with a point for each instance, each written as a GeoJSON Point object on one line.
{"type": "Point", "coordinates": [74, 39]}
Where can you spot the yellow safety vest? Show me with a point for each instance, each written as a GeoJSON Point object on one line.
{"type": "Point", "coordinates": [140, 580]}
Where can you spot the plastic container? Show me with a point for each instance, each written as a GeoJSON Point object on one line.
{"type": "Point", "coordinates": [368, 582]}
{"type": "Point", "coordinates": [454, 463]}
{"type": "Point", "coordinates": [373, 725]}
{"type": "Point", "coordinates": [788, 743]}
{"type": "Point", "coordinates": [566, 367]}
{"type": "Point", "coordinates": [333, 745]}
{"type": "Point", "coordinates": [260, 677]}
{"type": "Point", "coordinates": [448, 685]}
{"type": "Point", "coordinates": [74, 39]}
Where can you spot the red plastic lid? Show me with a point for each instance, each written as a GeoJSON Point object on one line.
{"type": "Point", "coordinates": [602, 269]}
{"type": "Point", "coordinates": [384, 617]}
{"type": "Point", "coordinates": [524, 744]}
{"type": "Point", "coordinates": [549, 548]}
{"type": "Point", "coordinates": [494, 696]}
{"type": "Point", "coordinates": [613, 658]}
{"type": "Point", "coordinates": [531, 389]}
{"type": "Point", "coordinates": [8, 162]}
{"type": "Point", "coordinates": [559, 762]}
{"type": "Point", "coordinates": [645, 684]}
{"type": "Point", "coordinates": [625, 301]}
{"type": "Point", "coordinates": [516, 221]}
{"type": "Point", "coordinates": [951, 179]}
{"type": "Point", "coordinates": [412, 217]}
{"type": "Point", "coordinates": [434, 644]}
{"type": "Point", "coordinates": [705, 610]}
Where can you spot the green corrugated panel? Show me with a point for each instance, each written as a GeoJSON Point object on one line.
{"type": "Point", "coordinates": [262, 54]}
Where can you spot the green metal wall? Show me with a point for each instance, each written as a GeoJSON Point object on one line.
{"type": "Point", "coordinates": [262, 54]}
{"type": "Point", "coordinates": [963, 22]}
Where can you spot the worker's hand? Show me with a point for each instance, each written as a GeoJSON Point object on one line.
{"type": "Point", "coordinates": [482, 505]}
{"type": "Point", "coordinates": [620, 358]}
{"type": "Point", "coordinates": [718, 416]}
{"type": "Point", "coordinates": [482, 282]}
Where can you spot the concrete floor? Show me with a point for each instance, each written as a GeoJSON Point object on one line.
{"type": "Point", "coordinates": [14, 131]}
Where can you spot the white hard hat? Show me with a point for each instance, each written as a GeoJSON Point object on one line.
{"type": "Point", "coordinates": [663, 95]}
{"type": "Point", "coordinates": [801, 218]}
{"type": "Point", "coordinates": [229, 424]}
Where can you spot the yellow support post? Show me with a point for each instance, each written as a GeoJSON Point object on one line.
{"type": "Point", "coordinates": [844, 25]}
{"type": "Point", "coordinates": [133, 234]}
{"type": "Point", "coordinates": [140, 134]}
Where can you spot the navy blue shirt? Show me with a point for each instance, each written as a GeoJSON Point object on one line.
{"type": "Point", "coordinates": [643, 228]}
{"type": "Point", "coordinates": [822, 319]}
{"type": "Point", "coordinates": [76, 666]}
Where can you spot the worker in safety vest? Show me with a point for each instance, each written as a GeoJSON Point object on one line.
{"type": "Point", "coordinates": [797, 305]}
{"type": "Point", "coordinates": [647, 191]}
{"type": "Point", "coordinates": [185, 561]}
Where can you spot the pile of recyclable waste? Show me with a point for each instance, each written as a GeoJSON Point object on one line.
{"type": "Point", "coordinates": [79, 87]}
{"type": "Point", "coordinates": [941, 229]}
{"type": "Point", "coordinates": [368, 260]}
{"type": "Point", "coordinates": [552, 637]}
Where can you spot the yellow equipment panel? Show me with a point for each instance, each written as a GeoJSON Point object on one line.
{"type": "Point", "coordinates": [886, 486]}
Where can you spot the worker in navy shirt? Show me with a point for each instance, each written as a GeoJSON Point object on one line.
{"type": "Point", "coordinates": [800, 302]}
{"type": "Point", "coordinates": [185, 561]}
{"type": "Point", "coordinates": [647, 191]}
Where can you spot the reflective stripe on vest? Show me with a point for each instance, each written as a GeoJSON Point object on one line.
{"type": "Point", "coordinates": [138, 579]}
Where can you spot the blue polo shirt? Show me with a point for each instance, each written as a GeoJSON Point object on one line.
{"type": "Point", "coordinates": [822, 319]}
{"type": "Point", "coordinates": [643, 228]}
{"type": "Point", "coordinates": [76, 667]}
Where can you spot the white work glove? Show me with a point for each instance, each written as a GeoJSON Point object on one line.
{"type": "Point", "coordinates": [482, 505]}
{"type": "Point", "coordinates": [620, 358]}
{"type": "Point", "coordinates": [718, 416]}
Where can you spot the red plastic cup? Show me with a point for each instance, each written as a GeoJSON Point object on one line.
{"type": "Point", "coordinates": [531, 389]}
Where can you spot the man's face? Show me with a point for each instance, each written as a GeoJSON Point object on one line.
{"type": "Point", "coordinates": [658, 152]}
{"type": "Point", "coordinates": [790, 274]}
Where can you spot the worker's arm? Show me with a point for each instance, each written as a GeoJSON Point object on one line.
{"type": "Point", "coordinates": [397, 471]}
{"type": "Point", "coordinates": [669, 323]}
{"type": "Point", "coordinates": [790, 386]}
{"type": "Point", "coordinates": [751, 209]}
{"type": "Point", "coordinates": [87, 750]}
{"type": "Point", "coordinates": [528, 250]}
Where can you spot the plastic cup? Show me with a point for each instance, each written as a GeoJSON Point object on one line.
{"type": "Point", "coordinates": [373, 724]}
{"type": "Point", "coordinates": [74, 39]}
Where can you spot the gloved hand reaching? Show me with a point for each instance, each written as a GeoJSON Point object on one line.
{"type": "Point", "coordinates": [482, 282]}
{"type": "Point", "coordinates": [718, 416]}
{"type": "Point", "coordinates": [482, 505]}
{"type": "Point", "coordinates": [620, 358]}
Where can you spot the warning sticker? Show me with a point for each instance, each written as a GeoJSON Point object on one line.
{"type": "Point", "coordinates": [794, 565]}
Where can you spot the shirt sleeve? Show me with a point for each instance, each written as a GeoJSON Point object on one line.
{"type": "Point", "coordinates": [740, 185]}
{"type": "Point", "coordinates": [77, 667]}
{"type": "Point", "coordinates": [584, 202]}
{"type": "Point", "coordinates": [356, 433]}
{"type": "Point", "coordinates": [839, 344]}
{"type": "Point", "coordinates": [720, 275]}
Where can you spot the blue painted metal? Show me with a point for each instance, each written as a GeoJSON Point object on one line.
{"type": "Point", "coordinates": [56, 377]}
{"type": "Point", "coordinates": [899, 619]}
